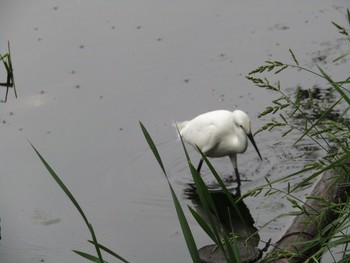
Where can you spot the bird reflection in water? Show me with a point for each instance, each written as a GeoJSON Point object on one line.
{"type": "Point", "coordinates": [232, 219]}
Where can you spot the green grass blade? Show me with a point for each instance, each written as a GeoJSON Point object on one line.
{"type": "Point", "coordinates": [62, 185]}
{"type": "Point", "coordinates": [95, 242]}
{"type": "Point", "coordinates": [10, 73]}
{"type": "Point", "coordinates": [314, 124]}
{"type": "Point", "coordinates": [222, 185]}
{"type": "Point", "coordinates": [206, 201]}
{"type": "Point", "coordinates": [203, 193]}
{"type": "Point", "coordinates": [109, 251]}
{"type": "Point", "coordinates": [183, 146]}
{"type": "Point", "coordinates": [191, 244]}
{"type": "Point", "coordinates": [294, 57]}
{"type": "Point", "coordinates": [233, 254]}
{"type": "Point", "coordinates": [203, 224]}
{"type": "Point", "coordinates": [9, 57]}
{"type": "Point", "coordinates": [88, 256]}
{"type": "Point", "coordinates": [209, 208]}
{"type": "Point", "coordinates": [71, 197]}
{"type": "Point", "coordinates": [212, 214]}
{"type": "Point", "coordinates": [341, 57]}
{"type": "Point", "coordinates": [337, 87]}
{"type": "Point", "coordinates": [202, 189]}
{"type": "Point", "coordinates": [338, 163]}
{"type": "Point", "coordinates": [3, 57]}
{"type": "Point", "coordinates": [152, 146]}
{"type": "Point", "coordinates": [7, 67]}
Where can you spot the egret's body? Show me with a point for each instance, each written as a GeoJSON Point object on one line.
{"type": "Point", "coordinates": [219, 133]}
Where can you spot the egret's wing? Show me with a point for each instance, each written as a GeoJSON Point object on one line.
{"type": "Point", "coordinates": [201, 136]}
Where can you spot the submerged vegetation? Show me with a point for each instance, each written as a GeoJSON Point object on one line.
{"type": "Point", "coordinates": [327, 128]}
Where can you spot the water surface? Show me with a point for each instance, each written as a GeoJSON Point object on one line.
{"type": "Point", "coordinates": [87, 72]}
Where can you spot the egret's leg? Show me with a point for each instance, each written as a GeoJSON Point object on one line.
{"type": "Point", "coordinates": [7, 92]}
{"type": "Point", "coordinates": [233, 159]}
{"type": "Point", "coordinates": [237, 176]}
{"type": "Point", "coordinates": [199, 166]}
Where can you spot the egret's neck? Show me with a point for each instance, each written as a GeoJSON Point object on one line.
{"type": "Point", "coordinates": [240, 141]}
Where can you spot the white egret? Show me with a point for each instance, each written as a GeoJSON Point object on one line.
{"type": "Point", "coordinates": [219, 133]}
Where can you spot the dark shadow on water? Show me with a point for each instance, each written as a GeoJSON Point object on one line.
{"type": "Point", "coordinates": [231, 219]}
{"type": "Point", "coordinates": [314, 102]}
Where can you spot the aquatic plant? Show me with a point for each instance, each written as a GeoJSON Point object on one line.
{"type": "Point", "coordinates": [328, 127]}
{"type": "Point", "coordinates": [94, 242]}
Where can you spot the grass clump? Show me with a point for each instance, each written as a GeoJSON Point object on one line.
{"type": "Point", "coordinates": [327, 126]}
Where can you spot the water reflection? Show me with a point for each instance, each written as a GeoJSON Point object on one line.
{"type": "Point", "coordinates": [232, 219]}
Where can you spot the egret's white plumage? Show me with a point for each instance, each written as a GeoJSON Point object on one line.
{"type": "Point", "coordinates": [219, 133]}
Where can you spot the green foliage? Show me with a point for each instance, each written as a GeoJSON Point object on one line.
{"type": "Point", "coordinates": [97, 246]}
{"type": "Point", "coordinates": [182, 219]}
{"type": "Point", "coordinates": [323, 121]}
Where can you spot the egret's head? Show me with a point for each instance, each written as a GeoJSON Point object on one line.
{"type": "Point", "coordinates": [242, 120]}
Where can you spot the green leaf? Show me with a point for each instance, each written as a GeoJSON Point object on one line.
{"type": "Point", "coordinates": [89, 256]}
{"type": "Point", "coordinates": [207, 203]}
{"type": "Point", "coordinates": [191, 245]}
{"type": "Point", "coordinates": [294, 57]}
{"type": "Point", "coordinates": [71, 197]}
{"type": "Point", "coordinates": [337, 163]}
{"type": "Point", "coordinates": [335, 85]}
{"type": "Point", "coordinates": [287, 132]}
{"type": "Point", "coordinates": [206, 200]}
{"type": "Point", "coordinates": [61, 184]}
{"type": "Point", "coordinates": [222, 185]}
{"type": "Point", "coordinates": [341, 57]}
{"type": "Point", "coordinates": [109, 251]}
{"type": "Point", "coordinates": [314, 124]}
{"type": "Point", "coordinates": [203, 224]}
{"type": "Point", "coordinates": [281, 69]}
{"type": "Point", "coordinates": [95, 243]}
{"type": "Point", "coordinates": [153, 147]}
{"type": "Point", "coordinates": [3, 57]}
{"type": "Point", "coordinates": [341, 29]}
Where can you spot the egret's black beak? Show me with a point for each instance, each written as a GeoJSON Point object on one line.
{"type": "Point", "coordinates": [250, 136]}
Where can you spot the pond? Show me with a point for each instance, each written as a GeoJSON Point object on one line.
{"type": "Point", "coordinates": [87, 72]}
